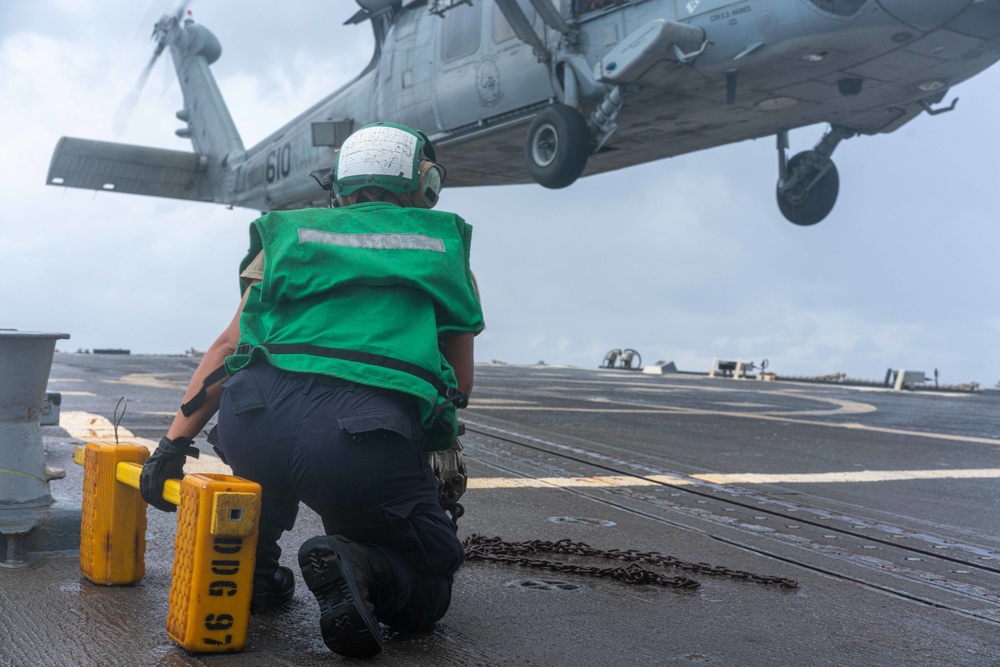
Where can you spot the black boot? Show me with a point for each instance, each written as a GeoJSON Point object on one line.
{"type": "Point", "coordinates": [273, 585]}
{"type": "Point", "coordinates": [340, 574]}
{"type": "Point", "coordinates": [271, 589]}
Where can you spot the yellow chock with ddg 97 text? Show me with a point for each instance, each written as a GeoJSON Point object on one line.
{"type": "Point", "coordinates": [214, 554]}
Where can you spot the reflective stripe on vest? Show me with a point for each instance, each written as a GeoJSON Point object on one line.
{"type": "Point", "coordinates": [372, 241]}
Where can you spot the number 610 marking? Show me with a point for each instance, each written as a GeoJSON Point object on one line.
{"type": "Point", "coordinates": [279, 163]}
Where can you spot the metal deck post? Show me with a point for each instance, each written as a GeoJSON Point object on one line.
{"type": "Point", "coordinates": [25, 361]}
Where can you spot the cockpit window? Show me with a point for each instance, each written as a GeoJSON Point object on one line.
{"type": "Point", "coordinates": [461, 31]}
{"type": "Point", "coordinates": [840, 7]}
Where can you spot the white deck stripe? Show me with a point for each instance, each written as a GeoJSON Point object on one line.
{"type": "Point", "coordinates": [788, 417]}
{"type": "Point", "coordinates": [92, 428]}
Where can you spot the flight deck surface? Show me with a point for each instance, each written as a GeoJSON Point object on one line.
{"type": "Point", "coordinates": [881, 505]}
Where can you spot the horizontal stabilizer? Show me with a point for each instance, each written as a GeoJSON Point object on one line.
{"type": "Point", "coordinates": [138, 170]}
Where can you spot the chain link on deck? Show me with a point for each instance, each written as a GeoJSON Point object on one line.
{"type": "Point", "coordinates": [480, 547]}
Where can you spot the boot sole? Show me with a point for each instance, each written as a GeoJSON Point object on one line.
{"type": "Point", "coordinates": [348, 628]}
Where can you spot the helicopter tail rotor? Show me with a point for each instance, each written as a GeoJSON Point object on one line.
{"type": "Point", "coordinates": [163, 34]}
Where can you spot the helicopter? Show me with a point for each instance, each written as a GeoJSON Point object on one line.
{"type": "Point", "coordinates": [549, 91]}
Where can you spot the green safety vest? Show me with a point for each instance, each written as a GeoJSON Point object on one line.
{"type": "Point", "coordinates": [363, 293]}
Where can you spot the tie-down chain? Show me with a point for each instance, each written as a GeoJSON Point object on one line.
{"type": "Point", "coordinates": [480, 547]}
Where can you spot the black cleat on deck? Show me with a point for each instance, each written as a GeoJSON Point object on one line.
{"type": "Point", "coordinates": [349, 628]}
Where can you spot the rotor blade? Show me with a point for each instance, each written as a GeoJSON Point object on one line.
{"type": "Point", "coordinates": [142, 29]}
{"type": "Point", "coordinates": [127, 107]}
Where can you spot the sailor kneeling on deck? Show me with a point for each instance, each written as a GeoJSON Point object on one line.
{"type": "Point", "coordinates": [351, 349]}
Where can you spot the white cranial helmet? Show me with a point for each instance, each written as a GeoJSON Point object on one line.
{"type": "Point", "coordinates": [389, 156]}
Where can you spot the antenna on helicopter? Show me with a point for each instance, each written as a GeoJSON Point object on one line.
{"type": "Point", "coordinates": [163, 33]}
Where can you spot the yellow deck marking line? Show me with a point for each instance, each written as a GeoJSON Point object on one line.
{"type": "Point", "coordinates": [499, 401]}
{"type": "Point", "coordinates": [147, 380]}
{"type": "Point", "coordinates": [558, 482]}
{"type": "Point", "coordinates": [86, 426]}
{"type": "Point", "coordinates": [65, 380]}
{"type": "Point", "coordinates": [77, 393]}
{"type": "Point", "coordinates": [538, 408]}
{"type": "Point", "coordinates": [90, 427]}
{"type": "Point", "coordinates": [853, 476]}
{"type": "Point", "coordinates": [859, 476]}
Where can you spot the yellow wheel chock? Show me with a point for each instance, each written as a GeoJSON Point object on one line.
{"type": "Point", "coordinates": [214, 550]}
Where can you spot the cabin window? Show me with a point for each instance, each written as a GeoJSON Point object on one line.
{"type": "Point", "coordinates": [840, 7]}
{"type": "Point", "coordinates": [502, 30]}
{"type": "Point", "coordinates": [331, 132]}
{"type": "Point", "coordinates": [461, 31]}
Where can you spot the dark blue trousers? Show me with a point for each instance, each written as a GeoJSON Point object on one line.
{"type": "Point", "coordinates": [353, 454]}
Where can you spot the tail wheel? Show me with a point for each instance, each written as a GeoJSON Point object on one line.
{"type": "Point", "coordinates": [807, 207]}
{"type": "Point", "coordinates": [558, 146]}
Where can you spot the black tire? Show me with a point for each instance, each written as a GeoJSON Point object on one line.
{"type": "Point", "coordinates": [817, 203]}
{"type": "Point", "coordinates": [558, 146]}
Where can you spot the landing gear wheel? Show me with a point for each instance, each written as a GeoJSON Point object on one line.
{"type": "Point", "coordinates": [812, 206]}
{"type": "Point", "coordinates": [558, 146]}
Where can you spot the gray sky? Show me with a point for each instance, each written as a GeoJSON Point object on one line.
{"type": "Point", "coordinates": [684, 259]}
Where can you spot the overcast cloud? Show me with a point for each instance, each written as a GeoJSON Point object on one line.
{"type": "Point", "coordinates": [684, 260]}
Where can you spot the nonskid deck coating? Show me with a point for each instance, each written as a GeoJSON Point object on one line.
{"type": "Point", "coordinates": [880, 504]}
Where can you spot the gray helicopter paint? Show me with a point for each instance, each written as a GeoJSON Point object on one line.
{"type": "Point", "coordinates": [476, 107]}
{"type": "Point", "coordinates": [504, 74]}
{"type": "Point", "coordinates": [924, 18]}
{"type": "Point", "coordinates": [407, 88]}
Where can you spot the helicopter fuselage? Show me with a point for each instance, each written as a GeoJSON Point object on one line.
{"type": "Point", "coordinates": [651, 79]}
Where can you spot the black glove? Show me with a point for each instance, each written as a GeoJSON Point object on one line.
{"type": "Point", "coordinates": [167, 462]}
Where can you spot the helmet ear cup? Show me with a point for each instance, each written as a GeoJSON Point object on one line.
{"type": "Point", "coordinates": [431, 176]}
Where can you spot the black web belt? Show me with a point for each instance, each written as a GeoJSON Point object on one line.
{"type": "Point", "coordinates": [450, 394]}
